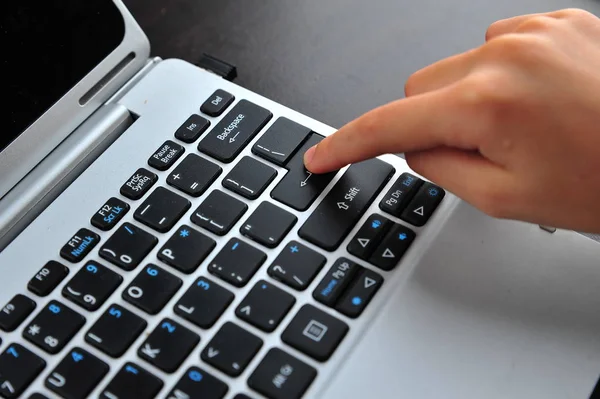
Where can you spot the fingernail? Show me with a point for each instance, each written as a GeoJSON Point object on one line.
{"type": "Point", "coordinates": [309, 155]}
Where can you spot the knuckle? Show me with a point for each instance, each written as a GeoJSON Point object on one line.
{"type": "Point", "coordinates": [492, 29]}
{"type": "Point", "coordinates": [574, 13]}
{"type": "Point", "coordinates": [411, 84]}
{"type": "Point", "coordinates": [539, 23]}
{"type": "Point", "coordinates": [525, 50]}
{"type": "Point", "coordinates": [493, 201]}
{"type": "Point", "coordinates": [487, 90]}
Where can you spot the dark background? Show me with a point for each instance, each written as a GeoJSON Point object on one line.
{"type": "Point", "coordinates": [329, 59]}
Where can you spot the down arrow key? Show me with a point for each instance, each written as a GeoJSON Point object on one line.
{"type": "Point", "coordinates": [369, 236]}
{"type": "Point", "coordinates": [392, 248]}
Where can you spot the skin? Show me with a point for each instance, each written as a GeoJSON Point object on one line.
{"type": "Point", "coordinates": [512, 126]}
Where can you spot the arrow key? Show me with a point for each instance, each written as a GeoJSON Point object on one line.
{"type": "Point", "coordinates": [168, 345]}
{"type": "Point", "coordinates": [265, 306]}
{"type": "Point", "coordinates": [368, 236]}
{"type": "Point", "coordinates": [422, 206]}
{"type": "Point", "coordinates": [393, 247]}
{"type": "Point", "coordinates": [359, 294]}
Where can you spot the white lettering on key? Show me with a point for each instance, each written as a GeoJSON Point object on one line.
{"type": "Point", "coordinates": [150, 352]}
{"type": "Point", "coordinates": [57, 380]}
{"type": "Point", "coordinates": [168, 253]}
{"type": "Point", "coordinates": [352, 193]}
{"type": "Point", "coordinates": [232, 126]}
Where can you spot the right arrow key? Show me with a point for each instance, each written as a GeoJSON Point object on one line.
{"type": "Point", "coordinates": [387, 255]}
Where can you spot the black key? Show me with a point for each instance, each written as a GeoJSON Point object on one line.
{"type": "Point", "coordinates": [46, 280]}
{"type": "Point", "coordinates": [281, 376]}
{"type": "Point", "coordinates": [297, 265]}
{"type": "Point", "coordinates": [315, 333]}
{"type": "Point", "coordinates": [162, 209]}
{"type": "Point", "coordinates": [192, 128]}
{"type": "Point", "coordinates": [132, 382]}
{"type": "Point", "coordinates": [358, 295]}
{"type": "Point", "coordinates": [401, 192]}
{"type": "Point", "coordinates": [186, 249]}
{"type": "Point", "coordinates": [204, 302]}
{"type": "Point", "coordinates": [79, 245]}
{"type": "Point", "coordinates": [219, 212]}
{"type": "Point", "coordinates": [115, 331]}
{"type": "Point", "coordinates": [18, 368]}
{"type": "Point", "coordinates": [151, 289]}
{"type": "Point", "coordinates": [166, 155]}
{"type": "Point", "coordinates": [335, 281]}
{"type": "Point", "coordinates": [168, 345]}
{"type": "Point", "coordinates": [76, 375]}
{"type": "Point", "coordinates": [249, 178]}
{"type": "Point", "coordinates": [194, 175]}
{"type": "Point", "coordinates": [281, 141]}
{"type": "Point", "coordinates": [217, 103]}
{"type": "Point", "coordinates": [128, 246]}
{"type": "Point", "coordinates": [299, 188]}
{"type": "Point", "coordinates": [241, 396]}
{"type": "Point", "coordinates": [229, 137]}
{"type": "Point", "coordinates": [138, 184]}
{"type": "Point", "coordinates": [53, 327]}
{"type": "Point", "coordinates": [344, 205]}
{"type": "Point", "coordinates": [231, 349]}
{"type": "Point", "coordinates": [268, 225]}
{"type": "Point", "coordinates": [92, 285]}
{"type": "Point", "coordinates": [265, 306]}
{"type": "Point", "coordinates": [422, 206]}
{"type": "Point", "coordinates": [369, 236]}
{"type": "Point", "coordinates": [237, 262]}
{"type": "Point", "coordinates": [15, 312]}
{"type": "Point", "coordinates": [110, 214]}
{"type": "Point", "coordinates": [392, 248]}
{"type": "Point", "coordinates": [38, 395]}
{"type": "Point", "coordinates": [198, 384]}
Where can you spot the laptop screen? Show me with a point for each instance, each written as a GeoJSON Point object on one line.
{"type": "Point", "coordinates": [48, 46]}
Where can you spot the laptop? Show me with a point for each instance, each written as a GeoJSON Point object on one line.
{"type": "Point", "coordinates": [161, 239]}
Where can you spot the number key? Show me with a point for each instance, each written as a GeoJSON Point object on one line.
{"type": "Point", "coordinates": [128, 246]}
{"type": "Point", "coordinates": [18, 368]}
{"type": "Point", "coordinates": [14, 312]}
{"type": "Point", "coordinates": [152, 288]}
{"type": "Point", "coordinates": [133, 382]}
{"type": "Point", "coordinates": [92, 285]}
{"type": "Point", "coordinates": [115, 331]}
{"type": "Point", "coordinates": [197, 383]}
{"type": "Point", "coordinates": [53, 327]}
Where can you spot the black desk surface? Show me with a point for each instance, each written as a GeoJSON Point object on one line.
{"type": "Point", "coordinates": [329, 59]}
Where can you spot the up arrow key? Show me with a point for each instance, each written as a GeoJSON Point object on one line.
{"type": "Point", "coordinates": [388, 254]}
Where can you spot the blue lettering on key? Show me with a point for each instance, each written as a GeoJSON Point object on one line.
{"type": "Point", "coordinates": [152, 272]}
{"type": "Point", "coordinates": [184, 233]}
{"type": "Point", "coordinates": [402, 236]}
{"type": "Point", "coordinates": [115, 312]}
{"type": "Point", "coordinates": [92, 269]}
{"type": "Point", "coordinates": [235, 246]}
{"type": "Point", "coordinates": [128, 230]}
{"type": "Point", "coordinates": [264, 286]}
{"type": "Point", "coordinates": [54, 309]}
{"type": "Point", "coordinates": [12, 351]}
{"type": "Point", "coordinates": [195, 376]}
{"type": "Point", "coordinates": [294, 249]}
{"type": "Point", "coordinates": [168, 326]}
{"type": "Point", "coordinates": [356, 301]}
{"type": "Point", "coordinates": [408, 181]}
{"type": "Point", "coordinates": [131, 369]}
{"type": "Point", "coordinates": [376, 223]}
{"type": "Point", "coordinates": [205, 285]}
{"type": "Point", "coordinates": [77, 357]}
{"type": "Point", "coordinates": [84, 244]}
{"type": "Point", "coordinates": [433, 192]}
{"type": "Point", "coordinates": [327, 290]}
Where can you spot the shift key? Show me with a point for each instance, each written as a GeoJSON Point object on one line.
{"type": "Point", "coordinates": [347, 201]}
{"type": "Point", "coordinates": [229, 137]}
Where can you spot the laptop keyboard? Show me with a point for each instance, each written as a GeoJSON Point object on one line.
{"type": "Point", "coordinates": [315, 330]}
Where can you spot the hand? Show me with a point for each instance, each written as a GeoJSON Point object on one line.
{"type": "Point", "coordinates": [512, 127]}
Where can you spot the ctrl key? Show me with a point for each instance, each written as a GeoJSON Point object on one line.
{"type": "Point", "coordinates": [133, 382]}
{"type": "Point", "coordinates": [281, 376]}
{"type": "Point", "coordinates": [18, 368]}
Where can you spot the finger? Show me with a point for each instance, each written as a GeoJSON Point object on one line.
{"type": "Point", "coordinates": [509, 25]}
{"type": "Point", "coordinates": [411, 124]}
{"type": "Point", "coordinates": [440, 74]}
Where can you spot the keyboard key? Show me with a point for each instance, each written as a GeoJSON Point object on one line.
{"type": "Point", "coordinates": [219, 212]}
{"type": "Point", "coordinates": [241, 396]}
{"type": "Point", "coordinates": [315, 333]}
{"type": "Point", "coordinates": [265, 306]}
{"type": "Point", "coordinates": [15, 312]}
{"type": "Point", "coordinates": [237, 262]}
{"type": "Point", "coordinates": [132, 382]}
{"type": "Point", "coordinates": [138, 184]}
{"type": "Point", "coordinates": [186, 249]}
{"type": "Point", "coordinates": [76, 375]}
{"type": "Point", "coordinates": [162, 209]}
{"type": "Point", "coordinates": [192, 128]}
{"type": "Point", "coordinates": [194, 175]}
{"type": "Point", "coordinates": [268, 225]}
{"type": "Point", "coordinates": [335, 281]}
{"type": "Point", "coordinates": [392, 248]}
{"type": "Point", "coordinates": [110, 214]}
{"type": "Point", "coordinates": [229, 137]}
{"type": "Point", "coordinates": [92, 285]}
{"type": "Point", "coordinates": [46, 280]}
{"type": "Point", "coordinates": [198, 384]}
{"type": "Point", "coordinates": [359, 293]}
{"type": "Point", "coordinates": [54, 327]}
{"type": "Point", "coordinates": [249, 178]}
{"type": "Point", "coordinates": [299, 188]}
{"type": "Point", "coordinates": [231, 349]}
{"type": "Point", "coordinates": [401, 192]}
{"type": "Point", "coordinates": [281, 141]}
{"type": "Point", "coordinates": [151, 289]}
{"type": "Point", "coordinates": [296, 265]}
{"type": "Point", "coordinates": [168, 345]}
{"type": "Point", "coordinates": [18, 368]}
{"type": "Point", "coordinates": [115, 331]}
{"type": "Point", "coordinates": [345, 204]}
{"type": "Point", "coordinates": [217, 103]}
{"type": "Point", "coordinates": [369, 236]}
{"type": "Point", "coordinates": [166, 155]}
{"type": "Point", "coordinates": [79, 245]}
{"type": "Point", "coordinates": [38, 395]}
{"type": "Point", "coordinates": [424, 203]}
{"type": "Point", "coordinates": [281, 376]}
{"type": "Point", "coordinates": [203, 303]}
{"type": "Point", "coordinates": [128, 246]}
